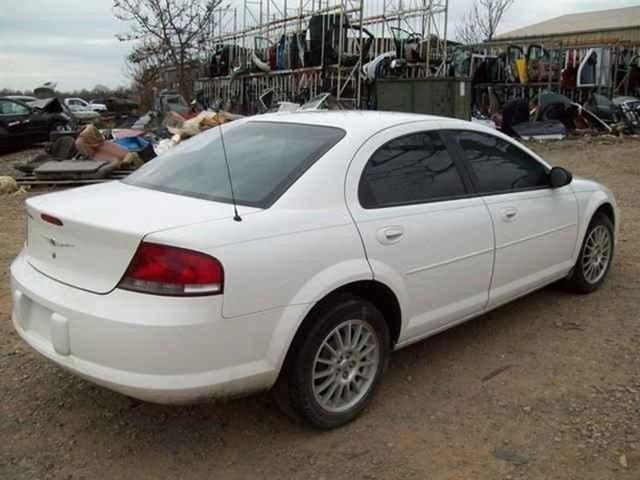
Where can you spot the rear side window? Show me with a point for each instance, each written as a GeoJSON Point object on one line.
{"type": "Point", "coordinates": [411, 169]}
{"type": "Point", "coordinates": [500, 166]}
{"type": "Point", "coordinates": [265, 159]}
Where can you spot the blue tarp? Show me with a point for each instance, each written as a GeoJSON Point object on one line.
{"type": "Point", "coordinates": [133, 144]}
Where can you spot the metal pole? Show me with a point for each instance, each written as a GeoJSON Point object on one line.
{"type": "Point", "coordinates": [359, 64]}
{"type": "Point", "coordinates": [340, 35]}
{"type": "Point", "coordinates": [446, 20]}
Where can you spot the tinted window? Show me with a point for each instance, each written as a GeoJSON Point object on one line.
{"type": "Point", "coordinates": [500, 166]}
{"type": "Point", "coordinates": [410, 169]}
{"type": "Point", "coordinates": [264, 159]}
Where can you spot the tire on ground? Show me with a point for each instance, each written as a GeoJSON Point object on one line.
{"type": "Point", "coordinates": [300, 363]}
{"type": "Point", "coordinates": [578, 282]}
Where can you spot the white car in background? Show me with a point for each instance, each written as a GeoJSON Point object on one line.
{"type": "Point", "coordinates": [357, 233]}
{"type": "Point", "coordinates": [81, 111]}
{"type": "Point", "coordinates": [81, 103]}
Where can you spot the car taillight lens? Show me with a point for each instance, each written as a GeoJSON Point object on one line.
{"type": "Point", "coordinates": [165, 270]}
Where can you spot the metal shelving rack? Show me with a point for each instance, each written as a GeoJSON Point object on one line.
{"type": "Point", "coordinates": [238, 26]}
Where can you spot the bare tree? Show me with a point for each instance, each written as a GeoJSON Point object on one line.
{"type": "Point", "coordinates": [482, 21]}
{"type": "Point", "coordinates": [144, 68]}
{"type": "Point", "coordinates": [170, 31]}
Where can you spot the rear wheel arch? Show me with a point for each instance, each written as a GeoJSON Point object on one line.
{"type": "Point", "coordinates": [377, 293]}
{"type": "Point", "coordinates": [371, 292]}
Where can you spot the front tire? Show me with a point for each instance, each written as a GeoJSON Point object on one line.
{"type": "Point", "coordinates": [596, 255]}
{"type": "Point", "coordinates": [337, 366]}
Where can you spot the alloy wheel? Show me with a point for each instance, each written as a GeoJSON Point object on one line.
{"type": "Point", "coordinates": [597, 254]}
{"type": "Point", "coordinates": [345, 366]}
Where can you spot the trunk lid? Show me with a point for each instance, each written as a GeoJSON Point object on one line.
{"type": "Point", "coordinates": [102, 227]}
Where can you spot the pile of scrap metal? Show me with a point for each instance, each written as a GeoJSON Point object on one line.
{"type": "Point", "coordinates": [182, 129]}
{"type": "Point", "coordinates": [94, 155]}
{"type": "Point", "coordinates": [86, 156]}
{"type": "Point", "coordinates": [554, 116]}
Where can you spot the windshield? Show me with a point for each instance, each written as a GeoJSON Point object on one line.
{"type": "Point", "coordinates": [265, 159]}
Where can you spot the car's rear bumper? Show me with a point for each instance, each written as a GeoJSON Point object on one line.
{"type": "Point", "coordinates": [158, 349]}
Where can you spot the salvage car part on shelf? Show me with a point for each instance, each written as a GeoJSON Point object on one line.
{"type": "Point", "coordinates": [514, 53]}
{"type": "Point", "coordinates": [595, 68]}
{"type": "Point", "coordinates": [260, 53]}
{"type": "Point", "coordinates": [374, 69]}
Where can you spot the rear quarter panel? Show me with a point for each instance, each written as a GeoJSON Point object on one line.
{"type": "Point", "coordinates": [293, 253]}
{"type": "Point", "coordinates": [278, 258]}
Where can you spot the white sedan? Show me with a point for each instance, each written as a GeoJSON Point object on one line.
{"type": "Point", "coordinates": [357, 233]}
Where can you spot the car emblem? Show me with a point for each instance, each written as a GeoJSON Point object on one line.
{"type": "Point", "coordinates": [55, 243]}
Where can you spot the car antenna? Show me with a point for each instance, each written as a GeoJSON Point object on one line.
{"type": "Point", "coordinates": [236, 217]}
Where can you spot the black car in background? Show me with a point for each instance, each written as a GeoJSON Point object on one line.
{"type": "Point", "coordinates": [24, 120]}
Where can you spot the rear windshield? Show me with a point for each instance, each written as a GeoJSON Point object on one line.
{"type": "Point", "coordinates": [265, 159]}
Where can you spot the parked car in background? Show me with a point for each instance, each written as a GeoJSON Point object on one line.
{"type": "Point", "coordinates": [355, 234]}
{"type": "Point", "coordinates": [79, 102]}
{"type": "Point", "coordinates": [24, 123]}
{"type": "Point", "coordinates": [171, 101]}
{"type": "Point", "coordinates": [82, 112]}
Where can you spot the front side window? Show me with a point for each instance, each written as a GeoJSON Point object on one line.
{"type": "Point", "coordinates": [265, 159]}
{"type": "Point", "coordinates": [415, 168]}
{"type": "Point", "coordinates": [500, 166]}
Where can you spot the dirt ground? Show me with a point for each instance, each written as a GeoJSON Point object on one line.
{"type": "Point", "coordinates": [547, 387]}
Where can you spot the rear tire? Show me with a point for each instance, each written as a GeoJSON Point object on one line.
{"type": "Point", "coordinates": [595, 257]}
{"type": "Point", "coordinates": [336, 367]}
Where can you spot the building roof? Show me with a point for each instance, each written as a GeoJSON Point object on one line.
{"type": "Point", "coordinates": [616, 19]}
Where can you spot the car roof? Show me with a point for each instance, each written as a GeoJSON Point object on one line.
{"type": "Point", "coordinates": [349, 120]}
{"type": "Point", "coordinates": [19, 97]}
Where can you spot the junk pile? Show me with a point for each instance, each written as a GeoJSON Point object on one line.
{"type": "Point", "coordinates": [553, 116]}
{"type": "Point", "coordinates": [94, 155]}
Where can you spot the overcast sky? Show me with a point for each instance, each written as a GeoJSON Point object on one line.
{"type": "Point", "coordinates": [73, 42]}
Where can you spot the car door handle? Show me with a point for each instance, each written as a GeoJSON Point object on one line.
{"type": "Point", "coordinates": [389, 235]}
{"type": "Point", "coordinates": [509, 214]}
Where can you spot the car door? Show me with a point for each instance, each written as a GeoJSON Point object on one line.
{"type": "Point", "coordinates": [424, 233]}
{"type": "Point", "coordinates": [535, 225]}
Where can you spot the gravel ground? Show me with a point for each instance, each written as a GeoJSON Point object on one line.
{"type": "Point", "coordinates": [547, 387]}
{"type": "Point", "coordinates": [18, 155]}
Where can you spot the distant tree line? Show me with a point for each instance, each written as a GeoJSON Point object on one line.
{"type": "Point", "coordinates": [97, 92]}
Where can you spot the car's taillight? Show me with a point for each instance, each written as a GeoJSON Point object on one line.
{"type": "Point", "coordinates": [165, 270]}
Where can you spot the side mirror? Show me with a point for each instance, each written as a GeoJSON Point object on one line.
{"type": "Point", "coordinates": [559, 177]}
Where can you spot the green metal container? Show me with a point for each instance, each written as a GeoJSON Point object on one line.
{"type": "Point", "coordinates": [447, 97]}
